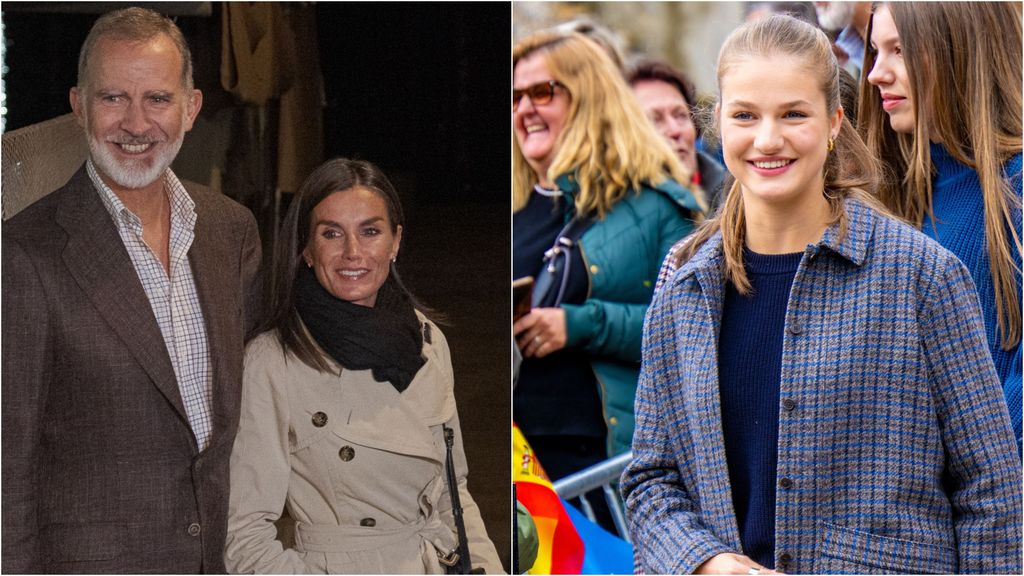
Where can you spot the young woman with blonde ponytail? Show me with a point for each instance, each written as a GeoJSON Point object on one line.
{"type": "Point", "coordinates": [941, 106]}
{"type": "Point", "coordinates": [816, 393]}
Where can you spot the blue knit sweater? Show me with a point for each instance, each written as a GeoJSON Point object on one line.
{"type": "Point", "coordinates": [959, 226]}
{"type": "Point", "coordinates": [749, 370]}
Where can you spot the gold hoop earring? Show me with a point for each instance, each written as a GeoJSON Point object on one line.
{"type": "Point", "coordinates": [831, 144]}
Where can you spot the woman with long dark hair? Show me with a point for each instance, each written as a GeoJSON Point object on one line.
{"type": "Point", "coordinates": [348, 418]}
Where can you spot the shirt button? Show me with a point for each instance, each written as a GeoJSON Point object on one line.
{"type": "Point", "coordinates": [594, 269]}
{"type": "Point", "coordinates": [786, 483]}
{"type": "Point", "coordinates": [319, 419]}
{"type": "Point", "coordinates": [368, 522]}
{"type": "Point", "coordinates": [789, 404]}
{"type": "Point", "coordinates": [194, 529]}
{"type": "Point", "coordinates": [346, 453]}
{"type": "Point", "coordinates": [795, 328]}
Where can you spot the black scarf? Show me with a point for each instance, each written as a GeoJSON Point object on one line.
{"type": "Point", "coordinates": [385, 339]}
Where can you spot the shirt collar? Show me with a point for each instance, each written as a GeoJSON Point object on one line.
{"type": "Point", "coordinates": [853, 246]}
{"type": "Point", "coordinates": [182, 206]}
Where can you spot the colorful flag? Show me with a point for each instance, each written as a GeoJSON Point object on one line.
{"type": "Point", "coordinates": [561, 549]}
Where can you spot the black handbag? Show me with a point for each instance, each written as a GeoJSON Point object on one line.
{"type": "Point", "coordinates": [549, 289]}
{"type": "Point", "coordinates": [457, 561]}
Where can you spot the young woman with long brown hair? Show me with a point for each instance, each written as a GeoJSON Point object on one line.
{"type": "Point", "coordinates": [941, 106]}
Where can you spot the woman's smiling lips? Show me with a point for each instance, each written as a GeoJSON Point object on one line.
{"type": "Point", "coordinates": [354, 274]}
{"type": "Point", "coordinates": [890, 101]}
{"type": "Point", "coordinates": [770, 166]}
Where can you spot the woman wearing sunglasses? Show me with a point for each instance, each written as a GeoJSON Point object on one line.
{"type": "Point", "coordinates": [597, 205]}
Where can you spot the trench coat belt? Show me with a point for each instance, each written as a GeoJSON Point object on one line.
{"type": "Point", "coordinates": [334, 538]}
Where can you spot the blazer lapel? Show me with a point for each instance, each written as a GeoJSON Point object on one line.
{"type": "Point", "coordinates": [215, 270]}
{"type": "Point", "coordinates": [98, 261]}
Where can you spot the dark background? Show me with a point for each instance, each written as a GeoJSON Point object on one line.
{"type": "Point", "coordinates": [420, 89]}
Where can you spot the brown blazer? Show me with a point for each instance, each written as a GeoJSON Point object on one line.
{"type": "Point", "coordinates": [100, 468]}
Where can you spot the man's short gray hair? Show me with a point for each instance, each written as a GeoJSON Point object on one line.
{"type": "Point", "coordinates": [138, 25]}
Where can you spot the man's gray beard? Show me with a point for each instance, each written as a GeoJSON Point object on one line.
{"type": "Point", "coordinates": [133, 174]}
{"type": "Point", "coordinates": [836, 16]}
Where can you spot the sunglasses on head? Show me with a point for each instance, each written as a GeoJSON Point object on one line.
{"type": "Point", "coordinates": [540, 93]}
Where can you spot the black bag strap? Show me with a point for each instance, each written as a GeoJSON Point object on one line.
{"type": "Point", "coordinates": [458, 561]}
{"type": "Point", "coordinates": [553, 279]}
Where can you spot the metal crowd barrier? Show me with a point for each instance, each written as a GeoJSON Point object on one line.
{"type": "Point", "coordinates": [602, 475]}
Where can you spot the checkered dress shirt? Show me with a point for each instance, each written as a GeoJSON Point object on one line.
{"type": "Point", "coordinates": [174, 299]}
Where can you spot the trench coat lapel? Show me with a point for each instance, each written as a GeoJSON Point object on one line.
{"type": "Point", "coordinates": [378, 416]}
{"type": "Point", "coordinates": [707, 269]}
{"type": "Point", "coordinates": [98, 261]}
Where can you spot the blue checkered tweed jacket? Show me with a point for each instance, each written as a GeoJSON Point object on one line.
{"type": "Point", "coordinates": [893, 432]}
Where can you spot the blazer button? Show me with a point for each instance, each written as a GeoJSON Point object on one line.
{"type": "Point", "coordinates": [319, 419]}
{"type": "Point", "coordinates": [346, 453]}
{"type": "Point", "coordinates": [795, 329]}
{"type": "Point", "coordinates": [785, 558]}
{"type": "Point", "coordinates": [368, 522]}
{"type": "Point", "coordinates": [194, 529]}
{"type": "Point", "coordinates": [789, 404]}
{"type": "Point", "coordinates": [786, 483]}
{"type": "Point", "coordinates": [594, 269]}
{"type": "Point", "coordinates": [613, 421]}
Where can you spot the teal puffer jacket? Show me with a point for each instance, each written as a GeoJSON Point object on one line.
{"type": "Point", "coordinates": [623, 253]}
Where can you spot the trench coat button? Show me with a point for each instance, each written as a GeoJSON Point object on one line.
{"type": "Point", "coordinates": [194, 529]}
{"type": "Point", "coordinates": [368, 522]}
{"type": "Point", "coordinates": [346, 453]}
{"type": "Point", "coordinates": [786, 483]}
{"type": "Point", "coordinates": [795, 329]}
{"type": "Point", "coordinates": [319, 419]}
{"type": "Point", "coordinates": [594, 269]}
{"type": "Point", "coordinates": [789, 404]}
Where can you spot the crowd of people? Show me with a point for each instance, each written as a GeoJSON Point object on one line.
{"type": "Point", "coordinates": [804, 317]}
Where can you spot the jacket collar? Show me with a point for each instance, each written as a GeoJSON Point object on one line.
{"type": "Point", "coordinates": [709, 261]}
{"type": "Point", "coordinates": [671, 189]}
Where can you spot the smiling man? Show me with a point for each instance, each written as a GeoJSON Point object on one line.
{"type": "Point", "coordinates": [123, 323]}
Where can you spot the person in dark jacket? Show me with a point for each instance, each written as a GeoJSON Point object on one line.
{"type": "Point", "coordinates": [668, 98]}
{"type": "Point", "coordinates": [124, 313]}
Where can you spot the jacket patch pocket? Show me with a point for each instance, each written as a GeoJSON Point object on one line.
{"type": "Point", "coordinates": [84, 542]}
{"type": "Point", "coordinates": [846, 551]}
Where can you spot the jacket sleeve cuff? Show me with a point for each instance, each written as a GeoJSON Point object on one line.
{"type": "Point", "coordinates": [579, 324]}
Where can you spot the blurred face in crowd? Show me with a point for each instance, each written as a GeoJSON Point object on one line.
{"type": "Point", "coordinates": [539, 116]}
{"type": "Point", "coordinates": [666, 107]}
{"type": "Point", "coordinates": [775, 130]}
{"type": "Point", "coordinates": [889, 73]}
{"type": "Point", "coordinates": [351, 244]}
{"type": "Point", "coordinates": [135, 109]}
{"type": "Point", "coordinates": [835, 15]}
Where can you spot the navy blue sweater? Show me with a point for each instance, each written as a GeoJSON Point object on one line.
{"type": "Point", "coordinates": [749, 368]}
{"type": "Point", "coordinates": [959, 226]}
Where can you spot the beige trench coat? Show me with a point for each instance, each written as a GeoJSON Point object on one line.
{"type": "Point", "coordinates": [358, 466]}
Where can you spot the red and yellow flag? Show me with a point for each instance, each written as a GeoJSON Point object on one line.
{"type": "Point", "coordinates": [561, 549]}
